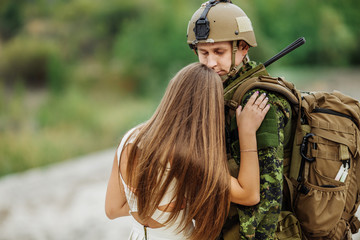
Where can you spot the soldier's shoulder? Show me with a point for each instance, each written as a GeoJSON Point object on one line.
{"type": "Point", "coordinates": [273, 96]}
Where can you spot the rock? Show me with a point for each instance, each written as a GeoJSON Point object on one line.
{"type": "Point", "coordinates": [62, 201]}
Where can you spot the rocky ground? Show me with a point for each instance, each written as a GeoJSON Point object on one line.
{"type": "Point", "coordinates": [62, 202]}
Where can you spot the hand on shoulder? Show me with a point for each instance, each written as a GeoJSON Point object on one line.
{"type": "Point", "coordinates": [251, 116]}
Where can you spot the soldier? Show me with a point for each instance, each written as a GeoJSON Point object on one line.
{"type": "Point", "coordinates": [221, 34]}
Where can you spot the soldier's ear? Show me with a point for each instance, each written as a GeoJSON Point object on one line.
{"type": "Point", "coordinates": [242, 45]}
{"type": "Point", "coordinates": [194, 48]}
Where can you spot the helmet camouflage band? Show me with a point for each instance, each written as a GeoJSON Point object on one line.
{"type": "Point", "coordinates": [218, 21]}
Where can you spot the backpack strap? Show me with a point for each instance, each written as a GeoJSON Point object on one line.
{"type": "Point", "coordinates": [291, 184]}
{"type": "Point", "coordinates": [354, 224]}
{"type": "Point", "coordinates": [352, 220]}
{"type": "Point", "coordinates": [269, 83]}
{"type": "Point", "coordinates": [233, 86]}
{"type": "Point", "coordinates": [278, 85]}
{"type": "Point", "coordinates": [229, 100]}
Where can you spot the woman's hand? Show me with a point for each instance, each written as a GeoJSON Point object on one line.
{"type": "Point", "coordinates": [250, 118]}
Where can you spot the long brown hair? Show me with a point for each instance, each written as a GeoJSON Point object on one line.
{"type": "Point", "coordinates": [187, 132]}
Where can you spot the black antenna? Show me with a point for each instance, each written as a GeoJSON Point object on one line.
{"type": "Point", "coordinates": [294, 45]}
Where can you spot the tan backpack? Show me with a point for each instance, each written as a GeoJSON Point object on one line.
{"type": "Point", "coordinates": [321, 175]}
{"type": "Point", "coordinates": [288, 227]}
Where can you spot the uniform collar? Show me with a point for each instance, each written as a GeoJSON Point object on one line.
{"type": "Point", "coordinates": [243, 69]}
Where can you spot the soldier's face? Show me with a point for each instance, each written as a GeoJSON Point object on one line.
{"type": "Point", "coordinates": [217, 56]}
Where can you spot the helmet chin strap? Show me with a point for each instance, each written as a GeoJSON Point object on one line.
{"type": "Point", "coordinates": [233, 68]}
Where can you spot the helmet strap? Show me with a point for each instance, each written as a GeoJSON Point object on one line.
{"type": "Point", "coordinates": [233, 55]}
{"type": "Point", "coordinates": [246, 59]}
{"type": "Point", "coordinates": [233, 68]}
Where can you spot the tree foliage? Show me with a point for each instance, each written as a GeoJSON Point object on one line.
{"type": "Point", "coordinates": [146, 40]}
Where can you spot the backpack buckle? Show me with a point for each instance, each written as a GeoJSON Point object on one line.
{"type": "Point", "coordinates": [303, 147]}
{"type": "Point", "coordinates": [303, 152]}
{"type": "Point", "coordinates": [303, 189]}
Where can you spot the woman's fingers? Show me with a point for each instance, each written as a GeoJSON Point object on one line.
{"type": "Point", "coordinates": [262, 98]}
{"type": "Point", "coordinates": [264, 101]}
{"type": "Point", "coordinates": [266, 109]}
{"type": "Point", "coordinates": [257, 101]}
{"type": "Point", "coordinates": [253, 98]}
{"type": "Point", "coordinates": [250, 117]}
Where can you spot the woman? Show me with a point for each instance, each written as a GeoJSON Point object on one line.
{"type": "Point", "coordinates": [172, 170]}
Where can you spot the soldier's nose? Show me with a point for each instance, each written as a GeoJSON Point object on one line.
{"type": "Point", "coordinates": [211, 63]}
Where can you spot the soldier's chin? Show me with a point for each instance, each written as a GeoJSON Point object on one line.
{"type": "Point", "coordinates": [221, 73]}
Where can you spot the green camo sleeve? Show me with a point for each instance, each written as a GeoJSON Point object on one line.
{"type": "Point", "coordinates": [259, 221]}
{"type": "Point", "coordinates": [267, 134]}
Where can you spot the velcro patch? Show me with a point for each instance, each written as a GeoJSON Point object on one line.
{"type": "Point", "coordinates": [244, 24]}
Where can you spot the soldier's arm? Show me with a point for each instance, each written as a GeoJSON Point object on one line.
{"type": "Point", "coordinates": [270, 142]}
{"type": "Point", "coordinates": [270, 135]}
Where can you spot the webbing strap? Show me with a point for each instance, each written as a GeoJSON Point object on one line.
{"type": "Point", "coordinates": [354, 224]}
{"type": "Point", "coordinates": [344, 152]}
{"type": "Point", "coordinates": [335, 138]}
{"type": "Point", "coordinates": [290, 232]}
{"type": "Point", "coordinates": [231, 104]}
{"type": "Point", "coordinates": [352, 220]}
{"type": "Point", "coordinates": [335, 154]}
{"type": "Point", "coordinates": [306, 170]}
{"type": "Point", "coordinates": [290, 185]}
{"type": "Point", "coordinates": [346, 216]}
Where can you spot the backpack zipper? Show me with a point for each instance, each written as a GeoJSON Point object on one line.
{"type": "Point", "coordinates": [332, 112]}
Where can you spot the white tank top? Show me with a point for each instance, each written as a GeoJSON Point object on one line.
{"type": "Point", "coordinates": [169, 196]}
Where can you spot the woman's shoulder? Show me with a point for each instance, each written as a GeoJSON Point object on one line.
{"type": "Point", "coordinates": [128, 138]}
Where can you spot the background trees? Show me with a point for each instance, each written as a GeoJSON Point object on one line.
{"type": "Point", "coordinates": [75, 74]}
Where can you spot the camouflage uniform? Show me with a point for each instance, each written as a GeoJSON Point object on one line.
{"type": "Point", "coordinates": [259, 221]}
{"type": "Point", "coordinates": [219, 21]}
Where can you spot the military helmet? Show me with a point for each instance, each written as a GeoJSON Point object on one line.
{"type": "Point", "coordinates": [218, 21]}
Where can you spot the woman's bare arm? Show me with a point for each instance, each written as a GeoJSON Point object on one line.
{"type": "Point", "coordinates": [245, 190]}
{"type": "Point", "coordinates": [115, 202]}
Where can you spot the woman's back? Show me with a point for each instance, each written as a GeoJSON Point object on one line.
{"type": "Point", "coordinates": [174, 169]}
{"type": "Point", "coordinates": [156, 225]}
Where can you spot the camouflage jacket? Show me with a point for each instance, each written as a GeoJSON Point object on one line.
{"type": "Point", "coordinates": [273, 136]}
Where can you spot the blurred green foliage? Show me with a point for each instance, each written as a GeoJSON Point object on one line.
{"type": "Point", "coordinates": [74, 75]}
{"type": "Point", "coordinates": [11, 18]}
{"type": "Point", "coordinates": [63, 127]}
{"type": "Point", "coordinates": [153, 46]}
{"type": "Point", "coordinates": [146, 40]}
{"type": "Point", "coordinates": [28, 60]}
{"type": "Point", "coordinates": [330, 28]}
